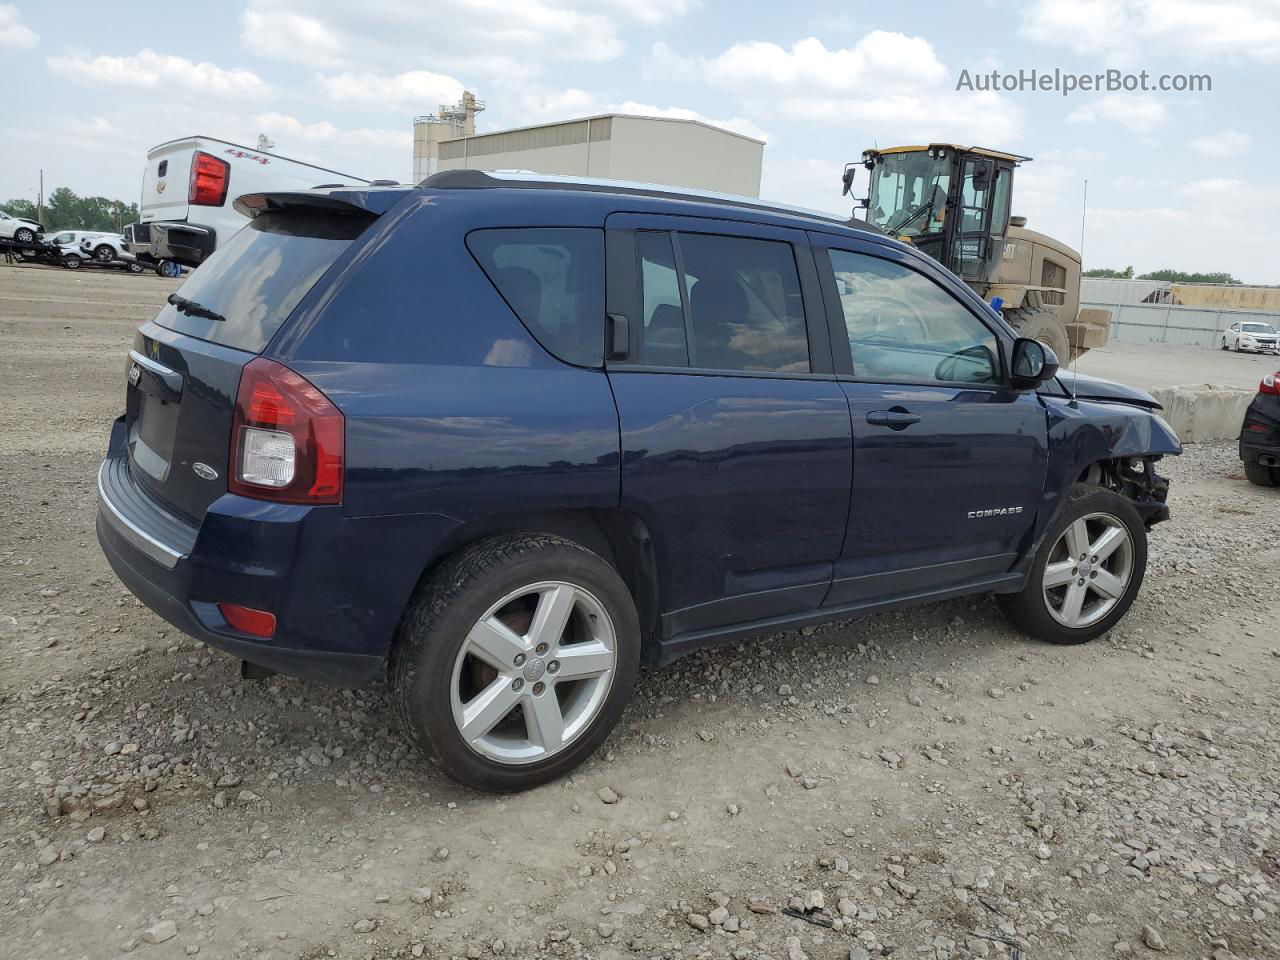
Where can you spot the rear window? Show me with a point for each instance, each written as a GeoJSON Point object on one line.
{"type": "Point", "coordinates": [258, 275]}
{"type": "Point", "coordinates": [553, 279]}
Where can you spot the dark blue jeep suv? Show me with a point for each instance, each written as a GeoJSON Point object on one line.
{"type": "Point", "coordinates": [501, 439]}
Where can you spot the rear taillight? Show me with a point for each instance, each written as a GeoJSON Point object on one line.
{"type": "Point", "coordinates": [210, 176]}
{"type": "Point", "coordinates": [287, 438]}
{"type": "Point", "coordinates": [1270, 383]}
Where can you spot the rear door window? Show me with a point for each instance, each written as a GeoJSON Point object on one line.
{"type": "Point", "coordinates": [740, 307]}
{"type": "Point", "coordinates": [553, 280]}
{"type": "Point", "coordinates": [258, 275]}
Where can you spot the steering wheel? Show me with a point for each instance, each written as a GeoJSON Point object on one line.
{"type": "Point", "coordinates": [898, 311]}
{"type": "Point", "coordinates": [964, 366]}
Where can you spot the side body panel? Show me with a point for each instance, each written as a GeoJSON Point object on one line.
{"type": "Point", "coordinates": [742, 477]}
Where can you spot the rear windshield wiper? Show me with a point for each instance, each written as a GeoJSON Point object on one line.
{"type": "Point", "coordinates": [192, 308]}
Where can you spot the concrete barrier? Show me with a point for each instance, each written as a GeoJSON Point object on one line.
{"type": "Point", "coordinates": [1204, 411]}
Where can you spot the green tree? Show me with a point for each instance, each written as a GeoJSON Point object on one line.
{"type": "Point", "coordinates": [65, 210]}
{"type": "Point", "coordinates": [1107, 273]}
{"type": "Point", "coordinates": [20, 208]}
{"type": "Point", "coordinates": [1180, 276]}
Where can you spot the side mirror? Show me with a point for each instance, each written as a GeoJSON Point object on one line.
{"type": "Point", "coordinates": [847, 179]}
{"type": "Point", "coordinates": [1033, 364]}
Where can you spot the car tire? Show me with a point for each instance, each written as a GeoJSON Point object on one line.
{"type": "Point", "coordinates": [1224, 343]}
{"type": "Point", "coordinates": [103, 253]}
{"type": "Point", "coordinates": [469, 653]}
{"type": "Point", "coordinates": [71, 261]}
{"type": "Point", "coordinates": [1262, 475]}
{"type": "Point", "coordinates": [135, 267]}
{"type": "Point", "coordinates": [24, 235]}
{"type": "Point", "coordinates": [1106, 586]}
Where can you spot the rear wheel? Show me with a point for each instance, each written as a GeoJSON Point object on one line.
{"type": "Point", "coordinates": [24, 235]}
{"type": "Point", "coordinates": [1038, 323]}
{"type": "Point", "coordinates": [1262, 475]}
{"type": "Point", "coordinates": [515, 661]}
{"type": "Point", "coordinates": [104, 253]}
{"type": "Point", "coordinates": [1086, 573]}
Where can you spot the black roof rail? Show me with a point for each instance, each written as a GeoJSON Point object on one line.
{"type": "Point", "coordinates": [523, 179]}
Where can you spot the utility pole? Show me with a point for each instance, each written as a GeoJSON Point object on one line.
{"type": "Point", "coordinates": [40, 198]}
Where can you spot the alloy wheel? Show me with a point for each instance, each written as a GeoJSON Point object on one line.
{"type": "Point", "coordinates": [533, 672]}
{"type": "Point", "coordinates": [1088, 570]}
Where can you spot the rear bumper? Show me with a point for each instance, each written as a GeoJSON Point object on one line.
{"type": "Point", "coordinates": [163, 590]}
{"type": "Point", "coordinates": [338, 585]}
{"type": "Point", "coordinates": [185, 243]}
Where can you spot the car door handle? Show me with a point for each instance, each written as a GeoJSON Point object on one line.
{"type": "Point", "coordinates": [896, 419]}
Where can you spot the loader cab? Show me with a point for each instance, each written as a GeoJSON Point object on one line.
{"type": "Point", "coordinates": [951, 202]}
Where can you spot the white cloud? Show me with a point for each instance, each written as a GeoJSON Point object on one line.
{"type": "Point", "coordinates": [808, 182]}
{"type": "Point", "coordinates": [419, 90]}
{"type": "Point", "coordinates": [1141, 112]}
{"type": "Point", "coordinates": [283, 127]}
{"type": "Point", "coordinates": [1124, 30]}
{"type": "Point", "coordinates": [879, 56]}
{"type": "Point", "coordinates": [890, 85]}
{"type": "Point", "coordinates": [152, 71]}
{"type": "Point", "coordinates": [488, 36]}
{"type": "Point", "coordinates": [14, 34]}
{"type": "Point", "coordinates": [1224, 143]}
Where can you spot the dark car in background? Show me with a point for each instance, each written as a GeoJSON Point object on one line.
{"type": "Point", "coordinates": [501, 439]}
{"type": "Point", "coordinates": [1260, 434]}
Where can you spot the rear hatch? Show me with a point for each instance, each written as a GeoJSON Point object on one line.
{"type": "Point", "coordinates": [185, 367]}
{"type": "Point", "coordinates": [166, 179]}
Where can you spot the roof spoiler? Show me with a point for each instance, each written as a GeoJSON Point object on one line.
{"type": "Point", "coordinates": [347, 201]}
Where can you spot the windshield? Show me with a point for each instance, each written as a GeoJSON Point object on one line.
{"type": "Point", "coordinates": [909, 193]}
{"type": "Point", "coordinates": [1257, 328]}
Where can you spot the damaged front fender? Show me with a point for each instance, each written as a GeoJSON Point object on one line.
{"type": "Point", "coordinates": [1112, 444]}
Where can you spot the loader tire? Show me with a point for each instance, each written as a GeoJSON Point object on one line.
{"type": "Point", "coordinates": [1038, 323]}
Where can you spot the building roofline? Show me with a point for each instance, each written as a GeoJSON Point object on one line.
{"type": "Point", "coordinates": [604, 116]}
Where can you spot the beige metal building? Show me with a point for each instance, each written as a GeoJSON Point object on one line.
{"type": "Point", "coordinates": [684, 153]}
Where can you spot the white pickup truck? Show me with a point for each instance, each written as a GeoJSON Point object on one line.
{"type": "Point", "coordinates": [188, 188]}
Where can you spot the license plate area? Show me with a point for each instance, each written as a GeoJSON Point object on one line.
{"type": "Point", "coordinates": [153, 402]}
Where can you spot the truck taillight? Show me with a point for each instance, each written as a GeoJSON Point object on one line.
{"type": "Point", "coordinates": [1270, 383]}
{"type": "Point", "coordinates": [287, 438]}
{"type": "Point", "coordinates": [210, 177]}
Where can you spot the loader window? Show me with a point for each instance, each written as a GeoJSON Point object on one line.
{"type": "Point", "coordinates": [909, 193]}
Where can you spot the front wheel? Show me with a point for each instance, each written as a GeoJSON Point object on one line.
{"type": "Point", "coordinates": [134, 267]}
{"type": "Point", "coordinates": [515, 660]}
{"type": "Point", "coordinates": [1087, 571]}
{"type": "Point", "coordinates": [71, 261]}
{"type": "Point", "coordinates": [1224, 343]}
{"type": "Point", "coordinates": [24, 235]}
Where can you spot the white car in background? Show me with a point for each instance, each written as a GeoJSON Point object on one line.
{"type": "Point", "coordinates": [19, 228]}
{"type": "Point", "coordinates": [1251, 335]}
{"type": "Point", "coordinates": [104, 247]}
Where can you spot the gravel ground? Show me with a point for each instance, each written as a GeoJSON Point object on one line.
{"type": "Point", "coordinates": [921, 784]}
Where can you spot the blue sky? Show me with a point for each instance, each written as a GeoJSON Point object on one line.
{"type": "Point", "coordinates": [1175, 179]}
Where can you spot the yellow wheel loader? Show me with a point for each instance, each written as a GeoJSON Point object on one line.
{"type": "Point", "coordinates": [953, 203]}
